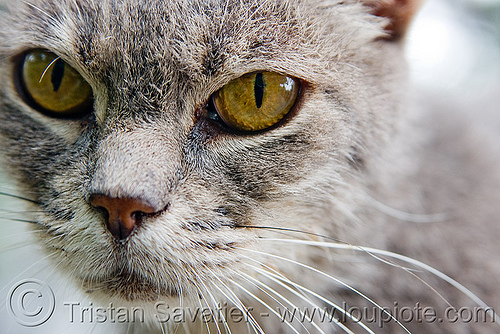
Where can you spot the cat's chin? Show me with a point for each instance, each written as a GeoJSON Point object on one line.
{"type": "Point", "coordinates": [131, 273]}
{"type": "Point", "coordinates": [128, 286]}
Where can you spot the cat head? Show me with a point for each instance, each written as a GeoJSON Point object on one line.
{"type": "Point", "coordinates": [151, 182]}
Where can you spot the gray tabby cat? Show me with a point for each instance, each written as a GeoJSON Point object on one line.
{"type": "Point", "coordinates": [262, 155]}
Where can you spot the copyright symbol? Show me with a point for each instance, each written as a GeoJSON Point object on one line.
{"type": "Point", "coordinates": [31, 302]}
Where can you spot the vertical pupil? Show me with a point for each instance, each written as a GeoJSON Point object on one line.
{"type": "Point", "coordinates": [57, 74]}
{"type": "Point", "coordinates": [259, 89]}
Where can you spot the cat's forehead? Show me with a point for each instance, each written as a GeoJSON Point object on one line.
{"type": "Point", "coordinates": [195, 38]}
{"type": "Point", "coordinates": [191, 39]}
{"type": "Point", "coordinates": [198, 35]}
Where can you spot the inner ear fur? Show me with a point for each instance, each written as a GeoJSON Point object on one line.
{"type": "Point", "coordinates": [399, 12]}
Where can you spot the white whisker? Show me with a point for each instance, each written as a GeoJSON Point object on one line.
{"type": "Point", "coordinates": [15, 279]}
{"type": "Point", "coordinates": [206, 303]}
{"type": "Point", "coordinates": [278, 278]}
{"type": "Point", "coordinates": [359, 293]}
{"type": "Point", "coordinates": [34, 274]}
{"type": "Point", "coordinates": [92, 329]}
{"type": "Point", "coordinates": [16, 246]}
{"type": "Point", "coordinates": [239, 304]}
{"type": "Point", "coordinates": [406, 216]}
{"type": "Point", "coordinates": [200, 295]}
{"type": "Point", "coordinates": [162, 328]}
{"type": "Point", "coordinates": [215, 304]}
{"type": "Point", "coordinates": [10, 236]}
{"type": "Point", "coordinates": [261, 287]}
{"type": "Point", "coordinates": [50, 17]}
{"type": "Point", "coordinates": [397, 256]}
{"type": "Point", "coordinates": [47, 68]}
{"type": "Point", "coordinates": [179, 285]}
{"type": "Point", "coordinates": [263, 303]}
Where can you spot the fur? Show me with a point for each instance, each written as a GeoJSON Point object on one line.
{"type": "Point", "coordinates": [352, 148]}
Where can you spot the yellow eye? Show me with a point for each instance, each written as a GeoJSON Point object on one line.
{"type": "Point", "coordinates": [53, 86]}
{"type": "Point", "coordinates": [256, 101]}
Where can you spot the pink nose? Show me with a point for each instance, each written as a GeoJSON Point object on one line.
{"type": "Point", "coordinates": [123, 214]}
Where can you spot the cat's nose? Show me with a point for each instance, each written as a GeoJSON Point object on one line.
{"type": "Point", "coordinates": [122, 214]}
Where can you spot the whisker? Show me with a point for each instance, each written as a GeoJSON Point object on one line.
{"type": "Point", "coordinates": [215, 304]}
{"type": "Point", "coordinates": [20, 220]}
{"type": "Point", "coordinates": [19, 245]}
{"type": "Point", "coordinates": [206, 302]}
{"type": "Point", "coordinates": [410, 271]}
{"type": "Point", "coordinates": [372, 252]}
{"type": "Point", "coordinates": [162, 328]}
{"type": "Point", "coordinates": [92, 329]}
{"type": "Point", "coordinates": [19, 197]}
{"type": "Point", "coordinates": [286, 229]}
{"type": "Point", "coordinates": [278, 278]}
{"type": "Point", "coordinates": [129, 328]}
{"type": "Point", "coordinates": [406, 216]}
{"type": "Point", "coordinates": [265, 305]}
{"type": "Point", "coordinates": [179, 285]}
{"type": "Point", "coordinates": [400, 257]}
{"type": "Point", "coordinates": [261, 287]}
{"type": "Point", "coordinates": [17, 277]}
{"type": "Point", "coordinates": [186, 329]}
{"type": "Point", "coordinates": [50, 17]}
{"type": "Point", "coordinates": [47, 68]}
{"type": "Point", "coordinates": [21, 212]}
{"type": "Point", "coordinates": [275, 278]}
{"type": "Point", "coordinates": [10, 236]}
{"type": "Point", "coordinates": [225, 295]}
{"type": "Point", "coordinates": [239, 304]}
{"type": "Point", "coordinates": [359, 293]}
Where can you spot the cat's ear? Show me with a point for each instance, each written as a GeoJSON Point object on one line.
{"type": "Point", "coordinates": [399, 12]}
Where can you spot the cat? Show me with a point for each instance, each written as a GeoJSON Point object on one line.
{"type": "Point", "coordinates": [261, 160]}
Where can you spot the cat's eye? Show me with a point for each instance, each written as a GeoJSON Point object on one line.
{"type": "Point", "coordinates": [51, 85]}
{"type": "Point", "coordinates": [256, 101]}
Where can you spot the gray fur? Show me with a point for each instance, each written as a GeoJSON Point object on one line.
{"type": "Point", "coordinates": [352, 141]}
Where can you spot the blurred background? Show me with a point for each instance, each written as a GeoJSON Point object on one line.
{"type": "Point", "coordinates": [453, 50]}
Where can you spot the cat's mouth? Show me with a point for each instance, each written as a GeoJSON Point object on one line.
{"type": "Point", "coordinates": [135, 273]}
{"type": "Point", "coordinates": [127, 276]}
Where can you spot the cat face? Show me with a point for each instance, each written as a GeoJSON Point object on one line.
{"type": "Point", "coordinates": [202, 190]}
